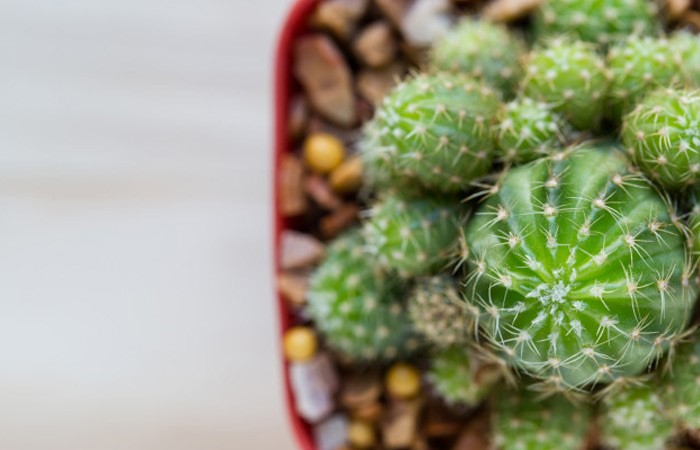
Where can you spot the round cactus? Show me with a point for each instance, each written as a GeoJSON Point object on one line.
{"type": "Point", "coordinates": [483, 50]}
{"type": "Point", "coordinates": [438, 312]}
{"type": "Point", "coordinates": [682, 386]}
{"type": "Point", "coordinates": [522, 420]}
{"type": "Point", "coordinates": [634, 418]}
{"type": "Point", "coordinates": [414, 236]}
{"type": "Point", "coordinates": [638, 67]}
{"type": "Point", "coordinates": [529, 130]}
{"type": "Point", "coordinates": [456, 378]}
{"type": "Point", "coordinates": [578, 270]}
{"type": "Point", "coordinates": [601, 21]}
{"type": "Point", "coordinates": [663, 136]}
{"type": "Point", "coordinates": [572, 78]}
{"type": "Point", "coordinates": [437, 130]}
{"type": "Point", "coordinates": [687, 45]}
{"type": "Point", "coordinates": [357, 306]}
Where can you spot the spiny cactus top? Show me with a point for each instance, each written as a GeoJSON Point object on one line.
{"type": "Point", "coordinates": [688, 46]}
{"type": "Point", "coordinates": [436, 129]}
{"type": "Point", "coordinates": [663, 136]}
{"type": "Point", "coordinates": [682, 386]}
{"type": "Point", "coordinates": [414, 236]}
{"type": "Point", "coordinates": [357, 306]}
{"type": "Point", "coordinates": [483, 50]}
{"type": "Point", "coordinates": [638, 66]}
{"type": "Point", "coordinates": [578, 270]}
{"type": "Point", "coordinates": [528, 130]}
{"type": "Point", "coordinates": [602, 21]}
{"type": "Point", "coordinates": [572, 78]}
{"type": "Point", "coordinates": [456, 379]}
{"type": "Point", "coordinates": [634, 418]}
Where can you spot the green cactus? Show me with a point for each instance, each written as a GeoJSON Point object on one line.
{"type": "Point", "coordinates": [357, 306]}
{"type": "Point", "coordinates": [579, 271]}
{"type": "Point", "coordinates": [639, 66]}
{"type": "Point", "coordinates": [635, 418]}
{"type": "Point", "coordinates": [483, 50]}
{"type": "Point", "coordinates": [601, 21]}
{"type": "Point", "coordinates": [529, 130]}
{"type": "Point", "coordinates": [687, 45]}
{"type": "Point", "coordinates": [694, 223]}
{"type": "Point", "coordinates": [682, 386]}
{"type": "Point", "coordinates": [663, 136]}
{"type": "Point", "coordinates": [522, 420]}
{"type": "Point", "coordinates": [572, 78]}
{"type": "Point", "coordinates": [414, 236]}
{"type": "Point", "coordinates": [460, 378]}
{"type": "Point", "coordinates": [438, 312]}
{"type": "Point", "coordinates": [436, 130]}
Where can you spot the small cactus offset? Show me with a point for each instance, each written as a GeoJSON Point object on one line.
{"type": "Point", "coordinates": [688, 47]}
{"type": "Point", "coordinates": [436, 130]}
{"type": "Point", "coordinates": [638, 67]}
{"type": "Point", "coordinates": [529, 130]}
{"type": "Point", "coordinates": [414, 236]}
{"type": "Point", "coordinates": [571, 78]}
{"type": "Point", "coordinates": [459, 378]}
{"type": "Point", "coordinates": [522, 420]}
{"type": "Point", "coordinates": [682, 386]}
{"type": "Point", "coordinates": [601, 21]}
{"type": "Point", "coordinates": [579, 272]}
{"type": "Point", "coordinates": [482, 50]}
{"type": "Point", "coordinates": [357, 306]}
{"type": "Point", "coordinates": [663, 136]}
{"type": "Point", "coordinates": [634, 418]}
{"type": "Point", "coordinates": [438, 312]}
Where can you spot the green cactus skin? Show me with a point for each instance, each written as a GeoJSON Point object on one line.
{"type": "Point", "coordinates": [570, 77]}
{"type": "Point", "coordinates": [688, 46]}
{"type": "Point", "coordinates": [529, 130]}
{"type": "Point", "coordinates": [663, 136]}
{"type": "Point", "coordinates": [438, 312]}
{"type": "Point", "coordinates": [579, 272]}
{"type": "Point", "coordinates": [634, 418]}
{"type": "Point", "coordinates": [522, 420]}
{"type": "Point", "coordinates": [414, 236]}
{"type": "Point", "coordinates": [601, 21]}
{"type": "Point", "coordinates": [482, 50]}
{"type": "Point", "coordinates": [357, 306]}
{"type": "Point", "coordinates": [694, 225]}
{"type": "Point", "coordinates": [638, 67]}
{"type": "Point", "coordinates": [453, 375]}
{"type": "Point", "coordinates": [437, 130]}
{"type": "Point", "coordinates": [682, 386]}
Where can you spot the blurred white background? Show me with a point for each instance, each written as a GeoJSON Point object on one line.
{"type": "Point", "coordinates": [136, 307]}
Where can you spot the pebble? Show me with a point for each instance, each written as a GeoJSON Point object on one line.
{"type": "Point", "coordinates": [361, 434]}
{"type": "Point", "coordinates": [375, 46]}
{"type": "Point", "coordinates": [675, 9]}
{"type": "Point", "coordinates": [375, 84]}
{"type": "Point", "coordinates": [475, 435]}
{"type": "Point", "coordinates": [360, 389]}
{"type": "Point", "coordinates": [440, 422]}
{"type": "Point", "coordinates": [300, 344]}
{"type": "Point", "coordinates": [323, 72]}
{"type": "Point", "coordinates": [340, 17]}
{"type": "Point", "coordinates": [403, 381]}
{"type": "Point", "coordinates": [340, 219]}
{"type": "Point", "coordinates": [314, 383]}
{"type": "Point", "coordinates": [291, 191]}
{"type": "Point", "coordinates": [347, 177]}
{"type": "Point", "coordinates": [426, 21]}
{"type": "Point", "coordinates": [293, 286]}
{"type": "Point", "coordinates": [298, 117]}
{"type": "Point", "coordinates": [400, 423]}
{"type": "Point", "coordinates": [394, 10]}
{"type": "Point", "coordinates": [509, 10]}
{"type": "Point", "coordinates": [320, 191]}
{"type": "Point", "coordinates": [323, 152]}
{"type": "Point", "coordinates": [299, 250]}
{"type": "Point", "coordinates": [331, 434]}
{"type": "Point", "coordinates": [370, 412]}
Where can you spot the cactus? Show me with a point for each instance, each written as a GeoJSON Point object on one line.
{"type": "Point", "coordinates": [438, 312]}
{"type": "Point", "coordinates": [694, 223]}
{"type": "Point", "coordinates": [682, 386]}
{"type": "Point", "coordinates": [579, 272]}
{"type": "Point", "coordinates": [436, 130]}
{"type": "Point", "coordinates": [414, 236]}
{"type": "Point", "coordinates": [459, 378]}
{"type": "Point", "coordinates": [663, 137]}
{"type": "Point", "coordinates": [687, 46]}
{"type": "Point", "coordinates": [572, 78]}
{"type": "Point", "coordinates": [638, 67]}
{"type": "Point", "coordinates": [524, 421]}
{"type": "Point", "coordinates": [529, 130]}
{"type": "Point", "coordinates": [357, 306]}
{"type": "Point", "coordinates": [601, 21]}
{"type": "Point", "coordinates": [634, 418]}
{"type": "Point", "coordinates": [483, 50]}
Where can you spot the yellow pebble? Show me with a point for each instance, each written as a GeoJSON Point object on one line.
{"type": "Point", "coordinates": [347, 177]}
{"type": "Point", "coordinates": [361, 434]}
{"type": "Point", "coordinates": [403, 381]}
{"type": "Point", "coordinates": [323, 152]}
{"type": "Point", "coordinates": [300, 344]}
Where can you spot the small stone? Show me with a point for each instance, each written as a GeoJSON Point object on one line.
{"type": "Point", "coordinates": [369, 412]}
{"type": "Point", "coordinates": [400, 423]}
{"type": "Point", "coordinates": [340, 17]}
{"type": "Point", "coordinates": [323, 152]}
{"type": "Point", "coordinates": [420, 443]}
{"type": "Point", "coordinates": [440, 422]}
{"type": "Point", "coordinates": [375, 46]}
{"type": "Point", "coordinates": [509, 10]}
{"type": "Point", "coordinates": [347, 177]}
{"type": "Point", "coordinates": [340, 219]}
{"type": "Point", "coordinates": [403, 381]}
{"type": "Point", "coordinates": [314, 383]}
{"type": "Point", "coordinates": [299, 250]}
{"type": "Point", "coordinates": [291, 191]}
{"type": "Point", "coordinates": [298, 117]}
{"type": "Point", "coordinates": [320, 191]}
{"type": "Point", "coordinates": [426, 21]}
{"type": "Point", "coordinates": [331, 433]}
{"type": "Point", "coordinates": [395, 10]}
{"type": "Point", "coordinates": [361, 434]}
{"type": "Point", "coordinates": [321, 68]}
{"type": "Point", "coordinates": [293, 287]}
{"type": "Point", "coordinates": [300, 344]}
{"type": "Point", "coordinates": [360, 389]}
{"type": "Point", "coordinates": [675, 9]}
{"type": "Point", "coordinates": [375, 84]}
{"type": "Point", "coordinates": [475, 436]}
{"type": "Point", "coordinates": [692, 19]}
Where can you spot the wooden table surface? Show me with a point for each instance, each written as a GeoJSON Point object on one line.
{"type": "Point", "coordinates": [136, 308]}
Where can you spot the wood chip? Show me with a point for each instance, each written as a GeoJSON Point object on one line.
{"type": "Point", "coordinates": [509, 10]}
{"type": "Point", "coordinates": [291, 187]}
{"type": "Point", "coordinates": [299, 250]}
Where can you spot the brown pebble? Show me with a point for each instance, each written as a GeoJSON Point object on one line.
{"type": "Point", "coordinates": [375, 46]}
{"type": "Point", "coordinates": [475, 436]}
{"type": "Point", "coordinates": [299, 250]}
{"type": "Point", "coordinates": [347, 177]}
{"type": "Point", "coordinates": [319, 190]}
{"type": "Point", "coordinates": [375, 84]}
{"type": "Point", "coordinates": [340, 17]}
{"type": "Point", "coordinates": [394, 10]}
{"type": "Point", "coordinates": [360, 389]}
{"type": "Point", "coordinates": [509, 10]}
{"type": "Point", "coordinates": [293, 287]}
{"type": "Point", "coordinates": [675, 9]}
{"type": "Point", "coordinates": [340, 219]}
{"type": "Point", "coordinates": [291, 190]}
{"type": "Point", "coordinates": [440, 422]}
{"type": "Point", "coordinates": [298, 117]}
{"type": "Point", "coordinates": [370, 412]}
{"type": "Point", "coordinates": [400, 423]}
{"type": "Point", "coordinates": [420, 443]}
{"type": "Point", "coordinates": [321, 68]}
